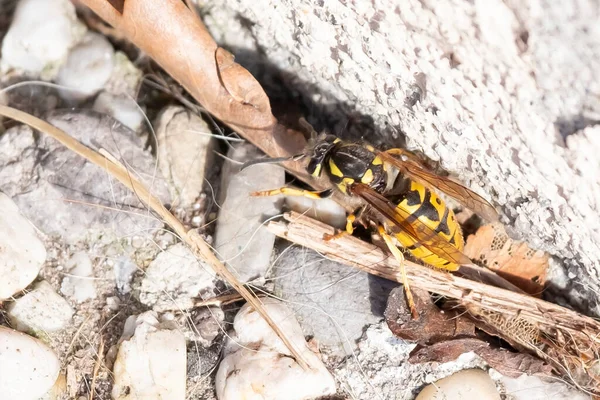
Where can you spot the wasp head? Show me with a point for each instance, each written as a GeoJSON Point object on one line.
{"type": "Point", "coordinates": [321, 149]}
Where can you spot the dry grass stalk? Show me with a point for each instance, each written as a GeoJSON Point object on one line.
{"type": "Point", "coordinates": [191, 238]}
{"type": "Point", "coordinates": [562, 337]}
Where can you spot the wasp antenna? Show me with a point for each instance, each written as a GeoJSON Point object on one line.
{"type": "Point", "coordinates": [276, 160]}
{"type": "Point", "coordinates": [308, 127]}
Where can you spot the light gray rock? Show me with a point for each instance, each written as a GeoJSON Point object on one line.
{"type": "Point", "coordinates": [241, 239]}
{"type": "Point", "coordinates": [40, 36]}
{"type": "Point", "coordinates": [325, 210]}
{"type": "Point", "coordinates": [257, 365]}
{"type": "Point", "coordinates": [467, 384]}
{"type": "Point", "coordinates": [495, 90]}
{"type": "Point", "coordinates": [78, 282]}
{"type": "Point", "coordinates": [124, 268]}
{"type": "Point", "coordinates": [28, 368]}
{"type": "Point", "coordinates": [152, 363]}
{"type": "Point", "coordinates": [22, 253]}
{"type": "Point", "coordinates": [88, 67]}
{"type": "Point", "coordinates": [41, 310]}
{"type": "Point", "coordinates": [333, 302]}
{"type": "Point", "coordinates": [122, 108]}
{"type": "Point", "coordinates": [185, 152]}
{"type": "Point", "coordinates": [58, 190]}
{"type": "Point", "coordinates": [175, 278]}
{"type": "Point", "coordinates": [528, 387]}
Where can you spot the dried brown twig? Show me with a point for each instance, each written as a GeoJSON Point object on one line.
{"type": "Point", "coordinates": [565, 339]}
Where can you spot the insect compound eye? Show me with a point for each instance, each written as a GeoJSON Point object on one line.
{"type": "Point", "coordinates": [320, 151]}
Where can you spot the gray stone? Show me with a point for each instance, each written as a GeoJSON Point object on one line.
{"type": "Point", "coordinates": [185, 152]}
{"type": "Point", "coordinates": [175, 279]}
{"type": "Point", "coordinates": [333, 302]}
{"type": "Point", "coordinates": [58, 190]}
{"type": "Point", "coordinates": [528, 387]}
{"type": "Point", "coordinates": [241, 239]}
{"type": "Point", "coordinates": [79, 282]}
{"type": "Point", "coordinates": [22, 253]}
{"type": "Point", "coordinates": [42, 310]}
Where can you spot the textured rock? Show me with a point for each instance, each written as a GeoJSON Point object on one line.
{"type": "Point", "coordinates": [28, 368]}
{"type": "Point", "coordinates": [58, 190]}
{"type": "Point", "coordinates": [40, 310]}
{"type": "Point", "coordinates": [151, 364]}
{"type": "Point", "coordinates": [325, 210]}
{"type": "Point", "coordinates": [40, 36]}
{"type": "Point", "coordinates": [468, 384]}
{"type": "Point", "coordinates": [185, 152]}
{"type": "Point", "coordinates": [87, 68]}
{"type": "Point", "coordinates": [241, 240]}
{"type": "Point", "coordinates": [22, 253]}
{"type": "Point", "coordinates": [257, 365]}
{"type": "Point", "coordinates": [333, 302]}
{"type": "Point", "coordinates": [175, 278]}
{"type": "Point", "coordinates": [495, 90]}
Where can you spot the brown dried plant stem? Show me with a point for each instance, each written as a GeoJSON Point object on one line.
{"type": "Point", "coordinates": [371, 259]}
{"type": "Point", "coordinates": [191, 238]}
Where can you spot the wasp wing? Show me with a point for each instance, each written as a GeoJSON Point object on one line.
{"type": "Point", "coordinates": [465, 196]}
{"type": "Point", "coordinates": [420, 232]}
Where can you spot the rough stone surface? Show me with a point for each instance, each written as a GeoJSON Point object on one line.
{"type": "Point", "coordinates": [333, 302]}
{"type": "Point", "coordinates": [534, 388]}
{"type": "Point", "coordinates": [22, 253]}
{"type": "Point", "coordinates": [241, 240]}
{"type": "Point", "coordinates": [41, 310]}
{"type": "Point", "coordinates": [468, 384]}
{"type": "Point", "coordinates": [28, 368]}
{"type": "Point", "coordinates": [325, 210]}
{"type": "Point", "coordinates": [151, 364]}
{"type": "Point", "coordinates": [257, 365]}
{"type": "Point", "coordinates": [58, 190]}
{"type": "Point", "coordinates": [495, 90]}
{"type": "Point", "coordinates": [175, 278]}
{"type": "Point", "coordinates": [40, 36]}
{"type": "Point", "coordinates": [122, 108]}
{"type": "Point", "coordinates": [185, 152]}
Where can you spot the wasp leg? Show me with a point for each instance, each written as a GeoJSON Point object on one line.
{"type": "Point", "coordinates": [400, 258]}
{"type": "Point", "coordinates": [348, 231]}
{"type": "Point", "coordinates": [294, 192]}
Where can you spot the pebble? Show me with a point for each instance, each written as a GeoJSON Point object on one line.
{"type": "Point", "coordinates": [466, 384]}
{"type": "Point", "coordinates": [152, 363]}
{"type": "Point", "coordinates": [124, 268]}
{"type": "Point", "coordinates": [28, 368]}
{"type": "Point", "coordinates": [123, 109]}
{"type": "Point", "coordinates": [256, 363]}
{"type": "Point", "coordinates": [41, 309]}
{"type": "Point", "coordinates": [241, 239]}
{"type": "Point", "coordinates": [185, 152]}
{"type": "Point", "coordinates": [22, 253]}
{"type": "Point", "coordinates": [60, 195]}
{"type": "Point", "coordinates": [324, 210]}
{"type": "Point", "coordinates": [87, 69]}
{"type": "Point", "coordinates": [79, 282]}
{"type": "Point", "coordinates": [333, 302]}
{"type": "Point", "coordinates": [175, 278]}
{"type": "Point", "coordinates": [40, 36]}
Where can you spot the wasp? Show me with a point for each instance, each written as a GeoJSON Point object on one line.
{"type": "Point", "coordinates": [402, 191]}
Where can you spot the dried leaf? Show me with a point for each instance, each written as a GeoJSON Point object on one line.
{"type": "Point", "coordinates": [514, 261]}
{"type": "Point", "coordinates": [504, 361]}
{"type": "Point", "coordinates": [240, 83]}
{"type": "Point", "coordinates": [433, 325]}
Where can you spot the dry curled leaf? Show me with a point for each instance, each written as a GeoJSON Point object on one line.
{"type": "Point", "coordinates": [240, 83]}
{"type": "Point", "coordinates": [514, 261]}
{"type": "Point", "coordinates": [506, 362]}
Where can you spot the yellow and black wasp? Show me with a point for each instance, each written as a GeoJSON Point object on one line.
{"type": "Point", "coordinates": [402, 192]}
